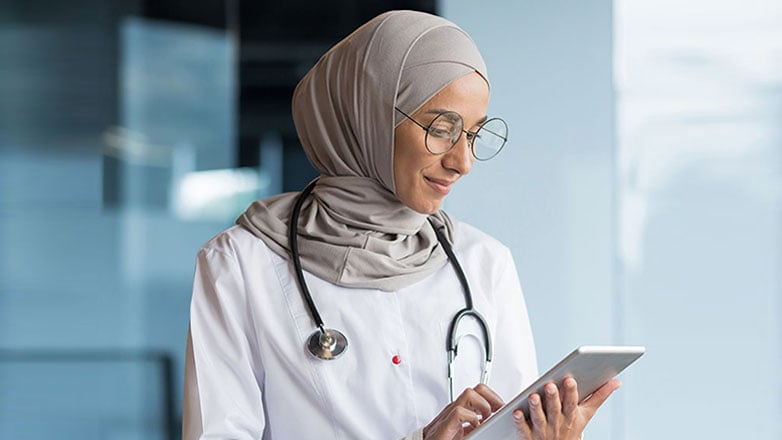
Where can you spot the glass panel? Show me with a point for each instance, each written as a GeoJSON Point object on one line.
{"type": "Point", "coordinates": [700, 218]}
{"type": "Point", "coordinates": [109, 127]}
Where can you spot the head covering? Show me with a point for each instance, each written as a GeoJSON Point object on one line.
{"type": "Point", "coordinates": [353, 229]}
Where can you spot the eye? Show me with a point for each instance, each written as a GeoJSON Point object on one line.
{"type": "Point", "coordinates": [441, 130]}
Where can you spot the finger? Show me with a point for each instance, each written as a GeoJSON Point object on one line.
{"type": "Point", "coordinates": [536, 415]}
{"type": "Point", "coordinates": [552, 403]}
{"type": "Point", "coordinates": [474, 401]}
{"type": "Point", "coordinates": [599, 397]}
{"type": "Point", "coordinates": [494, 399]}
{"type": "Point", "coordinates": [569, 396]}
{"type": "Point", "coordinates": [452, 425]}
{"type": "Point", "coordinates": [553, 407]}
{"type": "Point", "coordinates": [459, 416]}
{"type": "Point", "coordinates": [522, 427]}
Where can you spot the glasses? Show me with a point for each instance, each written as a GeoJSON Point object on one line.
{"type": "Point", "coordinates": [444, 132]}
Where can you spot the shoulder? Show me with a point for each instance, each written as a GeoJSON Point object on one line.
{"type": "Point", "coordinates": [238, 252]}
{"type": "Point", "coordinates": [471, 240]}
{"type": "Point", "coordinates": [234, 241]}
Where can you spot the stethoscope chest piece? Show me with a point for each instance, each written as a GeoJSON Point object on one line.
{"type": "Point", "coordinates": [327, 345]}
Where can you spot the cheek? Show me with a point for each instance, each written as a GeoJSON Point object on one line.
{"type": "Point", "coordinates": [402, 171]}
{"type": "Point", "coordinates": [403, 159]}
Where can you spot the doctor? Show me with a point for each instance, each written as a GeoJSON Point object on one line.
{"type": "Point", "coordinates": [332, 313]}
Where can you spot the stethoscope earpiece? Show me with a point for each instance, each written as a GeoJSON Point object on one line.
{"type": "Point", "coordinates": [328, 344]}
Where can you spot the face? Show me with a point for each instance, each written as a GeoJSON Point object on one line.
{"type": "Point", "coordinates": [423, 179]}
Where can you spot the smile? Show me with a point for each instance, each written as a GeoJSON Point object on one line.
{"type": "Point", "coordinates": [440, 186]}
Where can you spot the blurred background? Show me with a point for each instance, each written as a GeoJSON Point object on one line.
{"type": "Point", "coordinates": [640, 193]}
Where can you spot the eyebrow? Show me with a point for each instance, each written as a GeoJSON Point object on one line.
{"type": "Point", "coordinates": [437, 111]}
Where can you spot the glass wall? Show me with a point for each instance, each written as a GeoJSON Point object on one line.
{"type": "Point", "coordinates": [111, 127]}
{"type": "Point", "coordinates": [699, 192]}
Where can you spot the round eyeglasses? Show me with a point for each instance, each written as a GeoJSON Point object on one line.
{"type": "Point", "coordinates": [446, 128]}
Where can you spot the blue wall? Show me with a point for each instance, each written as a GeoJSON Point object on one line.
{"type": "Point", "coordinates": [549, 195]}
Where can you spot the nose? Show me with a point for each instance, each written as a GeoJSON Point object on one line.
{"type": "Point", "coordinates": [460, 158]}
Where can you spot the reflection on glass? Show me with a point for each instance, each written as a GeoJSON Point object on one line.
{"type": "Point", "coordinates": [116, 152]}
{"type": "Point", "coordinates": [700, 214]}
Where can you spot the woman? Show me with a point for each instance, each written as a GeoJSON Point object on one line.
{"type": "Point", "coordinates": [392, 117]}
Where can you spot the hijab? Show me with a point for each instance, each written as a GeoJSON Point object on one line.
{"type": "Point", "coordinates": [353, 230]}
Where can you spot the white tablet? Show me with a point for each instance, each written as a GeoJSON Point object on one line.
{"type": "Point", "coordinates": [591, 366]}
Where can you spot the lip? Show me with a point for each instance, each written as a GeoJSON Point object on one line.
{"type": "Point", "coordinates": [439, 185]}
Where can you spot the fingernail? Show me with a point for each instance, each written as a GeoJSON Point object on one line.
{"type": "Point", "coordinates": [517, 415]}
{"type": "Point", "coordinates": [550, 390]}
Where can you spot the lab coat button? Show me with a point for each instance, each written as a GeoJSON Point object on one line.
{"type": "Point", "coordinates": [396, 359]}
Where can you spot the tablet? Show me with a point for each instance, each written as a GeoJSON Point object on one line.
{"type": "Point", "coordinates": [591, 366]}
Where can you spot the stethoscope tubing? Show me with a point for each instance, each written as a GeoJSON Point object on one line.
{"type": "Point", "coordinates": [294, 245]}
{"type": "Point", "coordinates": [338, 343]}
{"type": "Point", "coordinates": [469, 309]}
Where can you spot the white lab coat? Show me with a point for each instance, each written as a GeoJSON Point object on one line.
{"type": "Point", "coordinates": [248, 374]}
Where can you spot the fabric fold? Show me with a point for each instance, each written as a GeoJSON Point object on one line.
{"type": "Point", "coordinates": [384, 245]}
{"type": "Point", "coordinates": [353, 230]}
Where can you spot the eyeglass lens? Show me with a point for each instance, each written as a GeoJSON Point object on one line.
{"type": "Point", "coordinates": [446, 129]}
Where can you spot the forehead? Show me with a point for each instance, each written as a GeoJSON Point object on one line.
{"type": "Point", "coordinates": [468, 96]}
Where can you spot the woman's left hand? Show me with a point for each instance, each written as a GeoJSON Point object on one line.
{"type": "Point", "coordinates": [561, 418]}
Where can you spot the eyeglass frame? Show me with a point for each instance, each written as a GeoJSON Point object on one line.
{"type": "Point", "coordinates": [469, 134]}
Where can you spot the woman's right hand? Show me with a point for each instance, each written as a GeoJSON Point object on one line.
{"type": "Point", "coordinates": [470, 408]}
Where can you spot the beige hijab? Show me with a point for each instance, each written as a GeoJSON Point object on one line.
{"type": "Point", "coordinates": [353, 230]}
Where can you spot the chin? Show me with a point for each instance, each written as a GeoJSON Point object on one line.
{"type": "Point", "coordinates": [421, 202]}
{"type": "Point", "coordinates": [426, 207]}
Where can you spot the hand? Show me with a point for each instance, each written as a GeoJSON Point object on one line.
{"type": "Point", "coordinates": [471, 407]}
{"type": "Point", "coordinates": [561, 418]}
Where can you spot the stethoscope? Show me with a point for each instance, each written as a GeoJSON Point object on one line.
{"type": "Point", "coordinates": [328, 343]}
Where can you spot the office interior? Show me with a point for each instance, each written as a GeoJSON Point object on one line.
{"type": "Point", "coordinates": [640, 193]}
